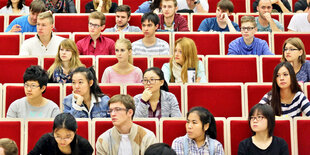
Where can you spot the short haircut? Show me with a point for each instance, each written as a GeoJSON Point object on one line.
{"type": "Point", "coordinates": [97, 15]}
{"type": "Point", "coordinates": [37, 6]}
{"type": "Point", "coordinates": [126, 100]}
{"type": "Point", "coordinates": [46, 15]}
{"type": "Point", "coordinates": [150, 17]}
{"type": "Point", "coordinates": [226, 5]}
{"type": "Point", "coordinates": [267, 111]}
{"type": "Point", "coordinates": [124, 8]}
{"type": "Point", "coordinates": [9, 146]}
{"type": "Point", "coordinates": [296, 42]}
{"type": "Point", "coordinates": [174, 1]}
{"type": "Point", "coordinates": [250, 19]}
{"type": "Point", "coordinates": [36, 73]}
{"type": "Point", "coordinates": [159, 149]}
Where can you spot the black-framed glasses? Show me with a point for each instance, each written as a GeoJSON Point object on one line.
{"type": "Point", "coordinates": [151, 81]}
{"type": "Point", "coordinates": [116, 110]}
{"type": "Point", "coordinates": [30, 86]}
{"type": "Point", "coordinates": [247, 28]}
{"type": "Point", "coordinates": [258, 118]}
{"type": "Point", "coordinates": [290, 49]}
{"type": "Point", "coordinates": [93, 25]}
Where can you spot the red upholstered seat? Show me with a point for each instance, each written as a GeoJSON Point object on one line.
{"type": "Point", "coordinates": [301, 135]}
{"type": "Point", "coordinates": [239, 5]}
{"type": "Point", "coordinates": [28, 35]}
{"type": "Point", "coordinates": [135, 20]}
{"type": "Point", "coordinates": [254, 92]}
{"type": "Point", "coordinates": [134, 5]}
{"type": "Point", "coordinates": [268, 63]}
{"type": "Point", "coordinates": [279, 38]}
{"type": "Point", "coordinates": [2, 17]}
{"type": "Point", "coordinates": [71, 22]}
{"type": "Point", "coordinates": [286, 17]}
{"type": "Point", "coordinates": [13, 16]}
{"type": "Point", "coordinates": [275, 16]}
{"type": "Point", "coordinates": [10, 43]}
{"type": "Point", "coordinates": [87, 60]}
{"type": "Point", "coordinates": [13, 129]}
{"type": "Point", "coordinates": [197, 18]}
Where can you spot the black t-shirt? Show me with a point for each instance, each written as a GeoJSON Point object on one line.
{"type": "Point", "coordinates": [274, 6]}
{"type": "Point", "coordinates": [278, 146]}
{"type": "Point", "coordinates": [89, 7]}
{"type": "Point", "coordinates": [300, 5]}
{"type": "Point", "coordinates": [47, 145]}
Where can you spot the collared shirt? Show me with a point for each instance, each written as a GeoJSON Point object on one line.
{"type": "Point", "coordinates": [104, 46]}
{"type": "Point", "coordinates": [151, 113]}
{"type": "Point", "coordinates": [128, 28]}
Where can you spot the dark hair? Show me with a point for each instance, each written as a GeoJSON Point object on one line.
{"type": "Point", "coordinates": [159, 149]}
{"type": "Point", "coordinates": [267, 111]}
{"type": "Point", "coordinates": [90, 74]}
{"type": "Point", "coordinates": [160, 73]}
{"type": "Point", "coordinates": [276, 98]}
{"type": "Point", "coordinates": [19, 5]}
{"type": "Point", "coordinates": [124, 8]}
{"type": "Point", "coordinates": [126, 100]}
{"type": "Point", "coordinates": [37, 6]}
{"type": "Point", "coordinates": [226, 5]}
{"type": "Point", "coordinates": [155, 4]}
{"type": "Point", "coordinates": [9, 146]}
{"type": "Point", "coordinates": [36, 73]}
{"type": "Point", "coordinates": [205, 117]}
{"type": "Point", "coordinates": [65, 121]}
{"type": "Point", "coordinates": [150, 17]}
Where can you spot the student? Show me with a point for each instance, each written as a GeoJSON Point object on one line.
{"type": "Point", "coordinates": [300, 22]}
{"type": "Point", "coordinates": [248, 44]}
{"type": "Point", "coordinates": [66, 60]}
{"type": "Point", "coordinates": [294, 53]}
{"type": "Point", "coordinates": [262, 123]}
{"type": "Point", "coordinates": [34, 105]}
{"type": "Point", "coordinates": [200, 135]}
{"type": "Point", "coordinates": [197, 6]}
{"type": "Point", "coordinates": [45, 43]}
{"type": "Point", "coordinates": [301, 6]}
{"type": "Point", "coordinates": [281, 6]}
{"type": "Point", "coordinates": [150, 6]}
{"type": "Point", "coordinates": [221, 22]}
{"type": "Point", "coordinates": [159, 149]}
{"type": "Point", "coordinates": [156, 100]}
{"type": "Point", "coordinates": [15, 7]}
{"type": "Point", "coordinates": [95, 43]}
{"type": "Point", "coordinates": [63, 139]}
{"type": "Point", "coordinates": [149, 44]}
{"type": "Point", "coordinates": [60, 6]}
{"type": "Point", "coordinates": [104, 6]}
{"type": "Point", "coordinates": [27, 23]}
{"type": "Point", "coordinates": [87, 99]}
{"type": "Point", "coordinates": [169, 20]}
{"type": "Point", "coordinates": [121, 19]}
{"type": "Point", "coordinates": [286, 97]}
{"type": "Point", "coordinates": [123, 71]}
{"type": "Point", "coordinates": [125, 137]}
{"type": "Point", "coordinates": [184, 58]}
{"type": "Point", "coordinates": [8, 147]}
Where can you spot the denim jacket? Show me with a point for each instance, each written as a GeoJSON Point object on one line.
{"type": "Point", "coordinates": [97, 109]}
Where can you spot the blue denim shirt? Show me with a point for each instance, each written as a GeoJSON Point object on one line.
{"type": "Point", "coordinates": [97, 109]}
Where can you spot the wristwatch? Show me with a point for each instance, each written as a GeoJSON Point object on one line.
{"type": "Point", "coordinates": [197, 2]}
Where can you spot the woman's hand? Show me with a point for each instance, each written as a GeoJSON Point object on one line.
{"type": "Point", "coordinates": [79, 98]}
{"type": "Point", "coordinates": [146, 95]}
{"type": "Point", "coordinates": [198, 79]}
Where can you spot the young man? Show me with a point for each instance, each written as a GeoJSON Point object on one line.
{"type": "Point", "coordinates": [27, 23]}
{"type": "Point", "coordinates": [221, 22]}
{"type": "Point", "coordinates": [150, 45]}
{"type": "Point", "coordinates": [197, 6]}
{"type": "Point", "coordinates": [122, 18]}
{"type": "Point", "coordinates": [248, 44]}
{"type": "Point", "coordinates": [95, 43]}
{"type": "Point", "coordinates": [44, 43]}
{"type": "Point", "coordinates": [126, 137]}
{"type": "Point", "coordinates": [8, 147]}
{"type": "Point", "coordinates": [281, 6]}
{"type": "Point", "coordinates": [300, 22]}
{"type": "Point", "coordinates": [34, 105]}
{"type": "Point", "coordinates": [169, 19]}
{"type": "Point", "coordinates": [264, 21]}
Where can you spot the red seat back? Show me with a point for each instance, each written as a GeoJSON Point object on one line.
{"type": "Point", "coordinates": [48, 61]}
{"type": "Point", "coordinates": [10, 44]}
{"type": "Point", "coordinates": [239, 5]}
{"type": "Point", "coordinates": [134, 5]}
{"type": "Point", "coordinates": [279, 39]}
{"type": "Point", "coordinates": [268, 65]}
{"type": "Point", "coordinates": [109, 90]}
{"type": "Point", "coordinates": [302, 136]}
{"type": "Point", "coordinates": [198, 18]}
{"type": "Point", "coordinates": [12, 129]}
{"type": "Point", "coordinates": [1, 22]}
{"type": "Point", "coordinates": [255, 93]}
{"type": "Point", "coordinates": [69, 22]}
{"type": "Point", "coordinates": [286, 20]}
{"type": "Point", "coordinates": [239, 16]}
{"type": "Point", "coordinates": [135, 20]}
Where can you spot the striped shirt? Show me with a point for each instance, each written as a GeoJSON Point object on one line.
{"type": "Point", "coordinates": [300, 103]}
{"type": "Point", "coordinates": [161, 47]}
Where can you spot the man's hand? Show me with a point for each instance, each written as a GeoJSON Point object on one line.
{"type": "Point", "coordinates": [191, 4]}
{"type": "Point", "coordinates": [268, 17]}
{"type": "Point", "coordinates": [16, 28]}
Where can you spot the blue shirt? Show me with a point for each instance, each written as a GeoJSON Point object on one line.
{"type": "Point", "coordinates": [210, 24]}
{"type": "Point", "coordinates": [23, 22]}
{"type": "Point", "coordinates": [144, 7]}
{"type": "Point", "coordinates": [258, 47]}
{"type": "Point", "coordinates": [303, 74]}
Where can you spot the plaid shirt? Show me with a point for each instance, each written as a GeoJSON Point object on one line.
{"type": "Point", "coordinates": [156, 113]}
{"type": "Point", "coordinates": [193, 149]}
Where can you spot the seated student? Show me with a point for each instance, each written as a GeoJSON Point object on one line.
{"type": "Point", "coordinates": [221, 22]}
{"type": "Point", "coordinates": [60, 6]}
{"type": "Point", "coordinates": [66, 60]}
{"type": "Point", "coordinates": [27, 23]}
{"type": "Point", "coordinates": [169, 20]}
{"type": "Point", "coordinates": [150, 6]}
{"type": "Point", "coordinates": [301, 6]}
{"type": "Point", "coordinates": [121, 19]}
{"type": "Point", "coordinates": [159, 149]}
{"type": "Point", "coordinates": [156, 100]}
{"type": "Point", "coordinates": [281, 6]}
{"type": "Point", "coordinates": [15, 7]}
{"type": "Point", "coordinates": [200, 135]}
{"type": "Point", "coordinates": [104, 6]}
{"type": "Point", "coordinates": [63, 139]}
{"type": "Point", "coordinates": [184, 58]}
{"type": "Point", "coordinates": [87, 99]}
{"type": "Point", "coordinates": [248, 44]}
{"type": "Point", "coordinates": [95, 43]}
{"type": "Point", "coordinates": [8, 147]}
{"type": "Point", "coordinates": [262, 123]}
{"type": "Point", "coordinates": [45, 43]}
{"type": "Point", "coordinates": [197, 6]}
{"type": "Point", "coordinates": [294, 53]}
{"type": "Point", "coordinates": [34, 105]}
{"type": "Point", "coordinates": [300, 22]}
{"type": "Point", "coordinates": [125, 137]}
{"type": "Point", "coordinates": [286, 97]}
{"type": "Point", "coordinates": [149, 44]}
{"type": "Point", "coordinates": [124, 71]}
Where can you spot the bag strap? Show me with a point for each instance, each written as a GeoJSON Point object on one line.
{"type": "Point", "coordinates": [211, 146]}
{"type": "Point", "coordinates": [185, 146]}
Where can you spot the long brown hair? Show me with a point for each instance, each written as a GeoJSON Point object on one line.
{"type": "Point", "coordinates": [108, 4]}
{"type": "Point", "coordinates": [296, 42]}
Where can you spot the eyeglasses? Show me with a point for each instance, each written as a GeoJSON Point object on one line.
{"type": "Point", "coordinates": [116, 110]}
{"type": "Point", "coordinates": [258, 118]}
{"type": "Point", "coordinates": [31, 86]}
{"type": "Point", "coordinates": [290, 49]}
{"type": "Point", "coordinates": [247, 28]}
{"type": "Point", "coordinates": [93, 25]}
{"type": "Point", "coordinates": [66, 139]}
{"type": "Point", "coordinates": [151, 81]}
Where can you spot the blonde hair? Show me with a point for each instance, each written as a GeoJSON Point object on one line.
{"type": "Point", "coordinates": [75, 59]}
{"type": "Point", "coordinates": [108, 4]}
{"type": "Point", "coordinates": [296, 42]}
{"type": "Point", "coordinates": [189, 55]}
{"type": "Point", "coordinates": [129, 47]}
{"type": "Point", "coordinates": [46, 15]}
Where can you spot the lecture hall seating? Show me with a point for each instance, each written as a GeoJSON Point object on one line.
{"type": "Point", "coordinates": [10, 43]}
{"type": "Point", "coordinates": [276, 16]}
{"type": "Point", "coordinates": [239, 6]}
{"type": "Point", "coordinates": [267, 65]}
{"type": "Point", "coordinates": [2, 23]}
{"type": "Point", "coordinates": [286, 17]}
{"type": "Point", "coordinates": [80, 35]}
{"type": "Point", "coordinates": [301, 135]}
{"type": "Point", "coordinates": [197, 18]}
{"type": "Point", "coordinates": [68, 22]}
{"type": "Point", "coordinates": [87, 60]}
{"type": "Point", "coordinates": [135, 20]}
{"type": "Point", "coordinates": [27, 35]}
{"type": "Point", "coordinates": [278, 39]}
{"type": "Point", "coordinates": [134, 4]}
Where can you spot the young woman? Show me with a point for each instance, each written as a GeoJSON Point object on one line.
{"type": "Point", "coordinates": [262, 122]}
{"type": "Point", "coordinates": [286, 97]}
{"type": "Point", "coordinates": [60, 6]}
{"type": "Point", "coordinates": [150, 6]}
{"type": "Point", "coordinates": [201, 135]}
{"type": "Point", "coordinates": [63, 139]}
{"type": "Point", "coordinates": [66, 60]}
{"type": "Point", "coordinates": [123, 71]}
{"type": "Point", "coordinates": [104, 6]}
{"type": "Point", "coordinates": [87, 99]}
{"type": "Point", "coordinates": [15, 7]}
{"type": "Point", "coordinates": [294, 52]}
{"type": "Point", "coordinates": [184, 57]}
{"type": "Point", "coordinates": [156, 101]}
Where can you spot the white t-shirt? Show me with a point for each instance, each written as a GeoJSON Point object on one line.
{"type": "Point", "coordinates": [299, 23]}
{"type": "Point", "coordinates": [125, 146]}
{"type": "Point", "coordinates": [183, 5]}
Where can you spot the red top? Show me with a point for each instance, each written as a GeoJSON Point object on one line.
{"type": "Point", "coordinates": [104, 46]}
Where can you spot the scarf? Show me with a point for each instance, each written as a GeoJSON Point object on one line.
{"type": "Point", "coordinates": [57, 7]}
{"type": "Point", "coordinates": [176, 72]}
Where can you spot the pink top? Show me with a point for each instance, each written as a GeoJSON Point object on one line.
{"type": "Point", "coordinates": [111, 76]}
{"type": "Point", "coordinates": [104, 46]}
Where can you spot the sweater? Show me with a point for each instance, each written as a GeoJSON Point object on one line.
{"type": "Point", "coordinates": [258, 47]}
